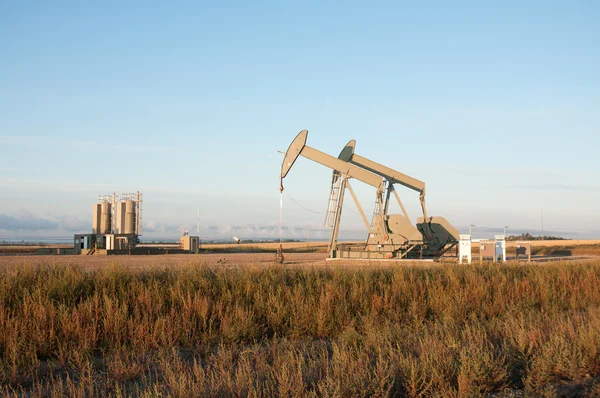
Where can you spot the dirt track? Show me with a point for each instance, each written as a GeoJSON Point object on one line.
{"type": "Point", "coordinates": [226, 259]}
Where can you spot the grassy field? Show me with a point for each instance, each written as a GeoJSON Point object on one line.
{"type": "Point", "coordinates": [198, 330]}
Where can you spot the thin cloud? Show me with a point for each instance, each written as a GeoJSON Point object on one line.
{"type": "Point", "coordinates": [45, 141]}
{"type": "Point", "coordinates": [155, 227]}
{"type": "Point", "coordinates": [23, 220]}
{"type": "Point", "coordinates": [481, 172]}
{"type": "Point", "coordinates": [561, 187]}
{"type": "Point", "coordinates": [26, 223]}
{"type": "Point", "coordinates": [83, 145]}
{"type": "Point", "coordinates": [13, 169]}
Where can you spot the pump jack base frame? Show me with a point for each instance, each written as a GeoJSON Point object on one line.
{"type": "Point", "coordinates": [359, 252]}
{"type": "Point", "coordinates": [381, 260]}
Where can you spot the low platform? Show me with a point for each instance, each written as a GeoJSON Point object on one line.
{"type": "Point", "coordinates": [388, 260]}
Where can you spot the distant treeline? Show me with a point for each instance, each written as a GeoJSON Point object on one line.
{"type": "Point", "coordinates": [528, 236]}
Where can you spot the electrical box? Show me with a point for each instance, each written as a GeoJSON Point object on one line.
{"type": "Point", "coordinates": [500, 252]}
{"type": "Point", "coordinates": [524, 249]}
{"type": "Point", "coordinates": [110, 242]}
{"type": "Point", "coordinates": [464, 249]}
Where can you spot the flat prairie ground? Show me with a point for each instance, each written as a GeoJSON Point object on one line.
{"type": "Point", "coordinates": [169, 260]}
{"type": "Point", "coordinates": [238, 260]}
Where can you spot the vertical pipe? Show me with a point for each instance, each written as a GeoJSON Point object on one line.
{"type": "Point", "coordinates": [138, 213]}
{"type": "Point", "coordinates": [390, 188]}
{"type": "Point", "coordinates": [382, 214]}
{"type": "Point", "coordinates": [140, 209]}
{"type": "Point", "coordinates": [113, 203]}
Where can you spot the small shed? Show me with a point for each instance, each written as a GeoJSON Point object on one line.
{"type": "Point", "coordinates": [487, 248]}
{"type": "Point", "coordinates": [189, 243]}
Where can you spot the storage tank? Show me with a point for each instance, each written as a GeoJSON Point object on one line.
{"type": "Point", "coordinates": [96, 216]}
{"type": "Point", "coordinates": [130, 217]}
{"type": "Point", "coordinates": [120, 217]}
{"type": "Point", "coordinates": [105, 218]}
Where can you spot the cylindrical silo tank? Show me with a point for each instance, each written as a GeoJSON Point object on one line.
{"type": "Point", "coordinates": [96, 216]}
{"type": "Point", "coordinates": [105, 218]}
{"type": "Point", "coordinates": [130, 217]}
{"type": "Point", "coordinates": [119, 222]}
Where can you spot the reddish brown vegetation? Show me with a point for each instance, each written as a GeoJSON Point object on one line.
{"type": "Point", "coordinates": [213, 331]}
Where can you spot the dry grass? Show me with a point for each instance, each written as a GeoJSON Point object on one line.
{"type": "Point", "coordinates": [200, 330]}
{"type": "Point", "coordinates": [554, 248]}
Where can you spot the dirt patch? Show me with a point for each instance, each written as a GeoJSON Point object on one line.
{"type": "Point", "coordinates": [171, 260]}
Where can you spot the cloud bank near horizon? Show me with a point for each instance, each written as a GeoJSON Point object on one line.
{"type": "Point", "coordinates": [24, 224]}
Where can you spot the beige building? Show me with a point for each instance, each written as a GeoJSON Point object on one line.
{"type": "Point", "coordinates": [189, 243]}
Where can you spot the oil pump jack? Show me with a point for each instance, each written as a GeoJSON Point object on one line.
{"type": "Point", "coordinates": [389, 235]}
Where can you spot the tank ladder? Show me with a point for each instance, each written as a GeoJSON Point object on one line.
{"type": "Point", "coordinates": [92, 249]}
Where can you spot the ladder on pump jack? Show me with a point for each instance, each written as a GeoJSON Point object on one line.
{"type": "Point", "coordinates": [334, 197]}
{"type": "Point", "coordinates": [376, 212]}
{"type": "Point", "coordinates": [333, 207]}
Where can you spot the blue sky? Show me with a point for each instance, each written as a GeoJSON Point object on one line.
{"type": "Point", "coordinates": [494, 105]}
